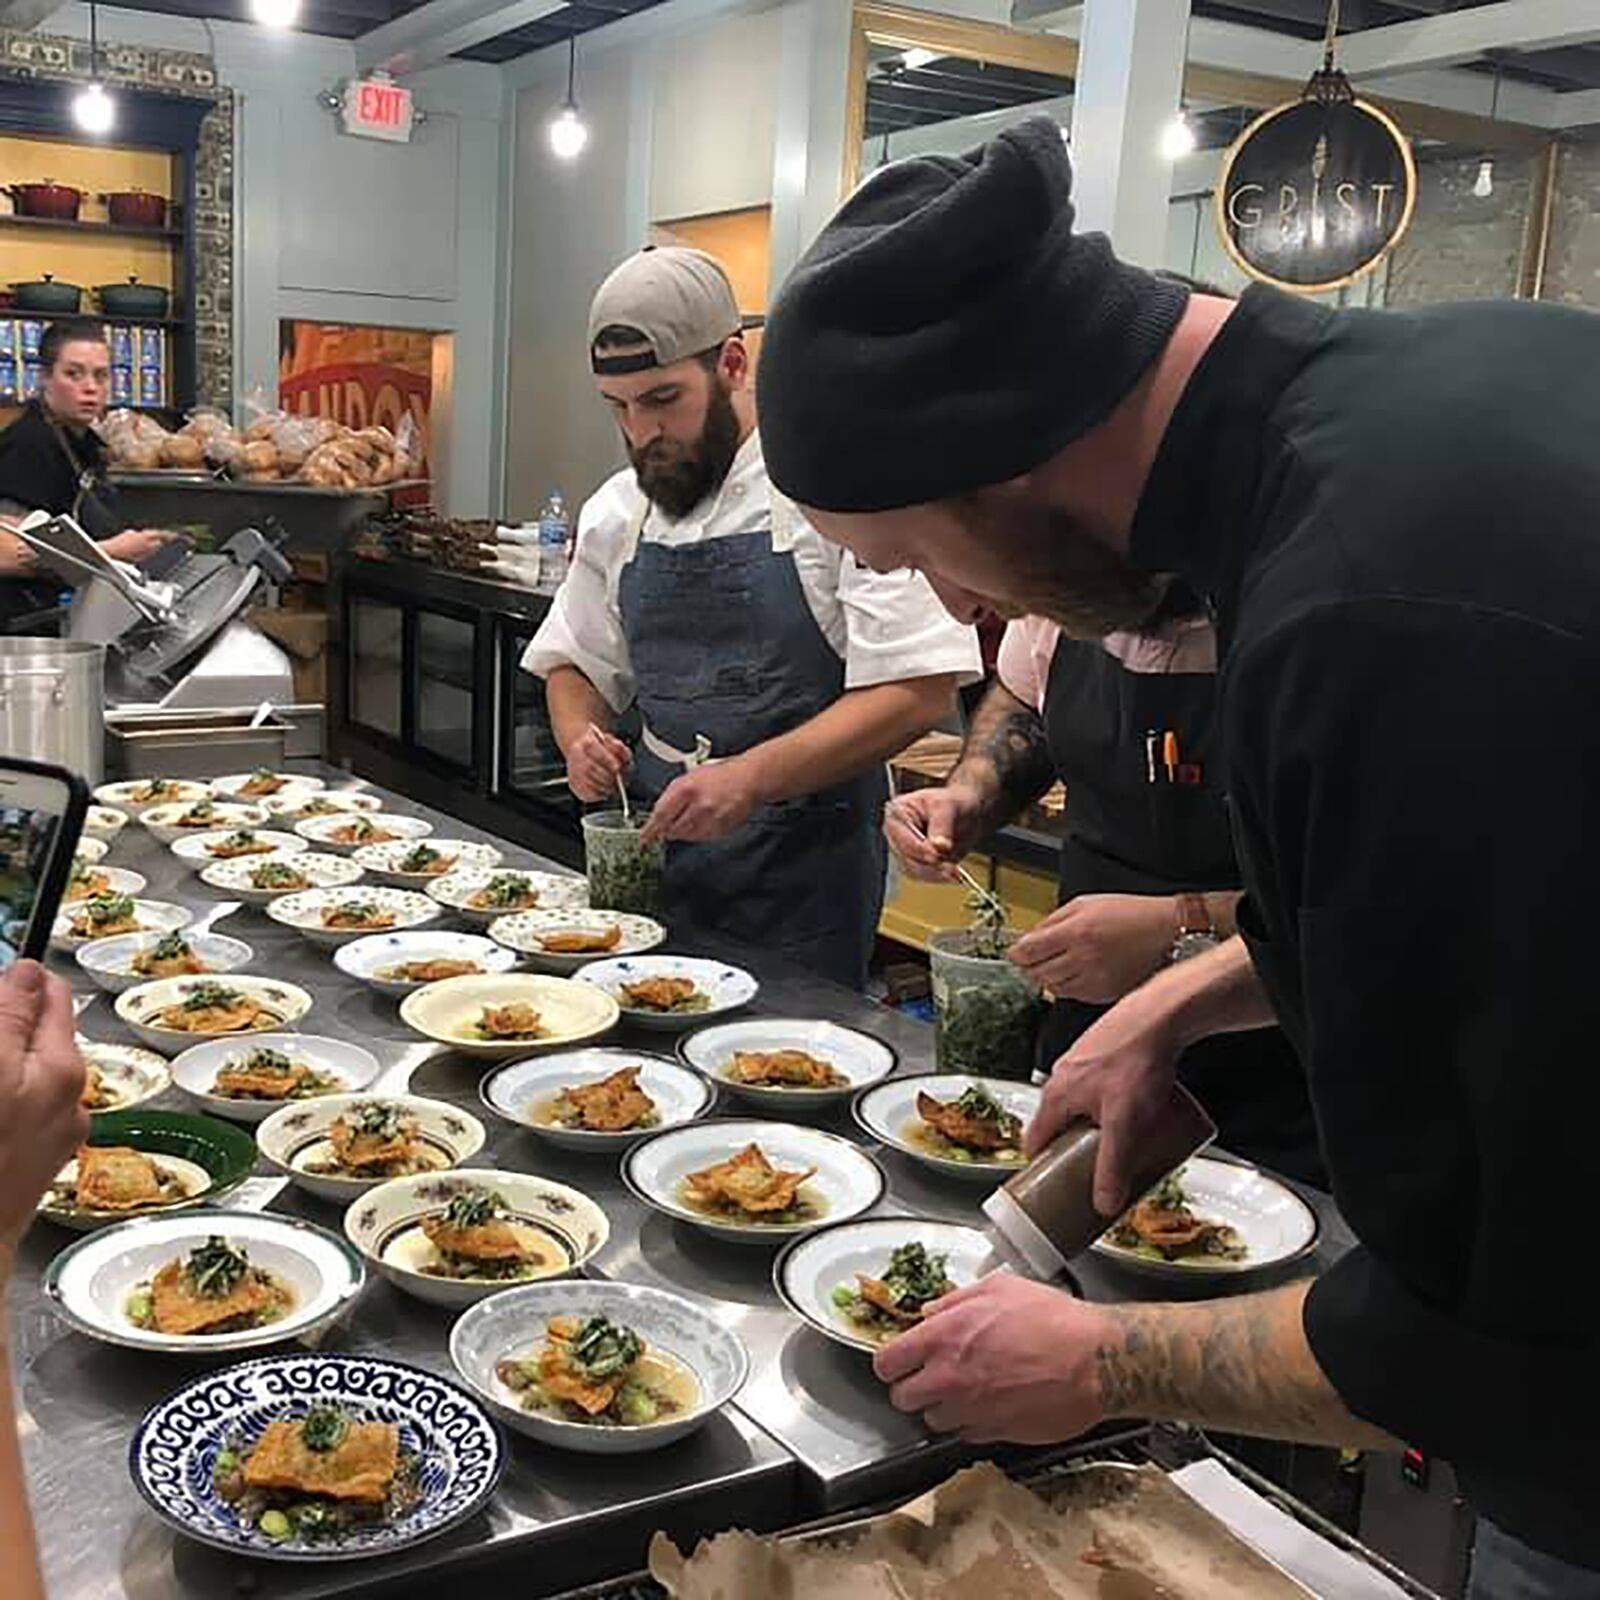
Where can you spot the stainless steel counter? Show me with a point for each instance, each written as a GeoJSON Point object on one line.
{"type": "Point", "coordinates": [811, 1431]}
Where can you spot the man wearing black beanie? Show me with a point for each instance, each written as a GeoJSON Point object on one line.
{"type": "Point", "coordinates": [1393, 516]}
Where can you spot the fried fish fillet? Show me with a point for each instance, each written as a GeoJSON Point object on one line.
{"type": "Point", "coordinates": [356, 916]}
{"type": "Point", "coordinates": [484, 1241]}
{"type": "Point", "coordinates": [357, 1148]}
{"type": "Point", "coordinates": [244, 1081]}
{"type": "Point", "coordinates": [659, 994]}
{"type": "Point", "coordinates": [1168, 1228]}
{"type": "Point", "coordinates": [237, 1016]}
{"type": "Point", "coordinates": [747, 1182]}
{"type": "Point", "coordinates": [579, 942]}
{"type": "Point", "coordinates": [429, 971]}
{"type": "Point", "coordinates": [517, 1020]}
{"type": "Point", "coordinates": [176, 1308]}
{"type": "Point", "coordinates": [961, 1127]}
{"type": "Point", "coordinates": [360, 1468]}
{"type": "Point", "coordinates": [85, 925]}
{"type": "Point", "coordinates": [115, 1178]}
{"type": "Point", "coordinates": [612, 1105]}
{"type": "Point", "coordinates": [792, 1069]}
{"type": "Point", "coordinates": [880, 1296]}
{"type": "Point", "coordinates": [560, 1379]}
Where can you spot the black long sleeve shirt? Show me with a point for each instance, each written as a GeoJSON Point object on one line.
{"type": "Point", "coordinates": [1398, 518]}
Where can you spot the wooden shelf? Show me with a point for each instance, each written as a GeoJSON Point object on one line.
{"type": "Point", "coordinates": [10, 220]}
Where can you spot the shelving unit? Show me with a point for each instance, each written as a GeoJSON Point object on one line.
{"type": "Point", "coordinates": [86, 225]}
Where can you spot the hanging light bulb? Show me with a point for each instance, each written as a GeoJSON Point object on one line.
{"type": "Point", "coordinates": [275, 13]}
{"type": "Point", "coordinates": [1178, 138]}
{"type": "Point", "coordinates": [93, 109]}
{"type": "Point", "coordinates": [1483, 184]}
{"type": "Point", "coordinates": [568, 132]}
{"type": "Point", "coordinates": [916, 57]}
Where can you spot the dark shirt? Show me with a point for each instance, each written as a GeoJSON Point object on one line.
{"type": "Point", "coordinates": [1397, 515]}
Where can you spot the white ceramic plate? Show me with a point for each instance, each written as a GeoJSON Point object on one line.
{"type": "Point", "coordinates": [456, 890]}
{"type": "Point", "coordinates": [860, 1057]}
{"type": "Point", "coordinates": [175, 791]}
{"type": "Point", "coordinates": [525, 931]}
{"type": "Point", "coordinates": [570, 1013]}
{"type": "Point", "coordinates": [104, 822]}
{"type": "Point", "coordinates": [292, 806]}
{"type": "Point", "coordinates": [91, 1281]}
{"type": "Point", "coordinates": [728, 987]}
{"type": "Point", "coordinates": [385, 1226]}
{"type": "Point", "coordinates": [384, 861]}
{"type": "Point", "coordinates": [90, 849]}
{"type": "Point", "coordinates": [846, 1183]}
{"type": "Point", "coordinates": [153, 916]}
{"type": "Point", "coordinates": [140, 1006]}
{"type": "Point", "coordinates": [324, 872]}
{"type": "Point", "coordinates": [325, 832]}
{"type": "Point", "coordinates": [195, 1071]}
{"type": "Point", "coordinates": [118, 880]}
{"type": "Point", "coordinates": [303, 911]}
{"type": "Point", "coordinates": [512, 1325]}
{"type": "Point", "coordinates": [110, 961]}
{"type": "Point", "coordinates": [231, 786]}
{"type": "Point", "coordinates": [294, 1139]}
{"type": "Point", "coordinates": [889, 1114]}
{"type": "Point", "coordinates": [164, 821]}
{"type": "Point", "coordinates": [199, 850]}
{"type": "Point", "coordinates": [368, 958]}
{"type": "Point", "coordinates": [520, 1090]}
{"type": "Point", "coordinates": [1276, 1225]}
{"type": "Point", "coordinates": [810, 1269]}
{"type": "Point", "coordinates": [128, 1074]}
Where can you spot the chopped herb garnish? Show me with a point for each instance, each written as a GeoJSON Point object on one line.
{"type": "Point", "coordinates": [473, 1208]}
{"type": "Point", "coordinates": [110, 908]}
{"type": "Point", "coordinates": [265, 1060]}
{"type": "Point", "coordinates": [504, 889]}
{"type": "Point", "coordinates": [419, 859]}
{"type": "Point", "coordinates": [324, 1428]}
{"type": "Point", "coordinates": [378, 1121]}
{"type": "Point", "coordinates": [914, 1277]}
{"type": "Point", "coordinates": [205, 995]}
{"type": "Point", "coordinates": [603, 1348]}
{"type": "Point", "coordinates": [171, 947]}
{"type": "Point", "coordinates": [216, 1267]}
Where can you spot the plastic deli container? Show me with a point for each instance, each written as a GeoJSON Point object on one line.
{"type": "Point", "coordinates": [625, 873]}
{"type": "Point", "coordinates": [986, 1014]}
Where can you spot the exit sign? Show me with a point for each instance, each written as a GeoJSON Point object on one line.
{"type": "Point", "coordinates": [377, 108]}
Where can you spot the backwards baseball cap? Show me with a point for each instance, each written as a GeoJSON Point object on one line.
{"type": "Point", "coordinates": [677, 301]}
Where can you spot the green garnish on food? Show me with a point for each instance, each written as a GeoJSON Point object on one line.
{"type": "Point", "coordinates": [324, 1428]}
{"type": "Point", "coordinates": [603, 1348]}
{"type": "Point", "coordinates": [419, 858]}
{"type": "Point", "coordinates": [205, 995]}
{"type": "Point", "coordinates": [377, 1120]}
{"type": "Point", "coordinates": [215, 1268]}
{"type": "Point", "coordinates": [274, 875]}
{"type": "Point", "coordinates": [200, 811]}
{"type": "Point", "coordinates": [473, 1208]}
{"type": "Point", "coordinates": [268, 1060]}
{"type": "Point", "coordinates": [238, 839]}
{"type": "Point", "coordinates": [82, 872]}
{"type": "Point", "coordinates": [914, 1277]}
{"type": "Point", "coordinates": [109, 908]}
{"type": "Point", "coordinates": [990, 936]}
{"type": "Point", "coordinates": [504, 889]}
{"type": "Point", "coordinates": [170, 947]}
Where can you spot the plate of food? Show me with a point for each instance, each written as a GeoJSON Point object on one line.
{"type": "Point", "coordinates": [205, 1281]}
{"type": "Point", "coordinates": [783, 1063]}
{"type": "Point", "coordinates": [345, 834]}
{"type": "Point", "coordinates": [106, 915]}
{"type": "Point", "coordinates": [316, 1457]}
{"type": "Point", "coordinates": [483, 894]}
{"type": "Point", "coordinates": [340, 1146]}
{"type": "Point", "coordinates": [670, 993]}
{"type": "Point", "coordinates": [263, 784]}
{"type": "Point", "coordinates": [563, 939]}
{"type": "Point", "coordinates": [751, 1182]}
{"type": "Point", "coordinates": [296, 805]}
{"type": "Point", "coordinates": [1213, 1219]}
{"type": "Point", "coordinates": [248, 1079]}
{"type": "Point", "coordinates": [141, 1161]}
{"type": "Point", "coordinates": [453, 1238]}
{"type": "Point", "coordinates": [258, 880]}
{"type": "Point", "coordinates": [90, 849]}
{"type": "Point", "coordinates": [601, 1368]}
{"type": "Point", "coordinates": [170, 822]}
{"type": "Point", "coordinates": [200, 850]}
{"type": "Point", "coordinates": [414, 864]}
{"type": "Point", "coordinates": [335, 916]}
{"type": "Point", "coordinates": [506, 1014]}
{"type": "Point", "coordinates": [596, 1099]}
{"type": "Point", "coordinates": [864, 1282]}
{"type": "Point", "coordinates": [120, 1076]}
{"type": "Point", "coordinates": [397, 963]}
{"type": "Point", "coordinates": [134, 958]}
{"type": "Point", "coordinates": [136, 795]}
{"type": "Point", "coordinates": [93, 880]}
{"type": "Point", "coordinates": [962, 1126]}
{"type": "Point", "coordinates": [170, 1014]}
{"type": "Point", "coordinates": [104, 822]}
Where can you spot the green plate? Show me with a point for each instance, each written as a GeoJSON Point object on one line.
{"type": "Point", "coordinates": [225, 1153]}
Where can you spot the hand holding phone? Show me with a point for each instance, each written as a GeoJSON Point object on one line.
{"type": "Point", "coordinates": [41, 820]}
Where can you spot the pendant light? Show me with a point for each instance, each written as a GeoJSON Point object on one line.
{"type": "Point", "coordinates": [568, 132]}
{"type": "Point", "coordinates": [275, 13]}
{"type": "Point", "coordinates": [1483, 184]}
{"type": "Point", "coordinates": [1178, 138]}
{"type": "Point", "coordinates": [93, 108]}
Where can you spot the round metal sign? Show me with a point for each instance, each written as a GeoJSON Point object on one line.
{"type": "Point", "coordinates": [1314, 195]}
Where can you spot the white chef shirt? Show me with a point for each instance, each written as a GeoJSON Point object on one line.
{"type": "Point", "coordinates": [885, 626]}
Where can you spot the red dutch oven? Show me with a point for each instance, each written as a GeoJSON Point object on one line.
{"type": "Point", "coordinates": [54, 201]}
{"type": "Point", "coordinates": [134, 208]}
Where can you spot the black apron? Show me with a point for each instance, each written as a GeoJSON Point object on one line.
{"type": "Point", "coordinates": [1126, 835]}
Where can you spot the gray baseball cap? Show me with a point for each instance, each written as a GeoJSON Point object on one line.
{"type": "Point", "coordinates": [678, 301]}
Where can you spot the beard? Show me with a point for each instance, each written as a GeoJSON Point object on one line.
{"type": "Point", "coordinates": [677, 477]}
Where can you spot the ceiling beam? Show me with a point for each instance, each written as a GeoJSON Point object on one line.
{"type": "Point", "coordinates": [437, 30]}
{"type": "Point", "coordinates": [24, 15]}
{"type": "Point", "coordinates": [1579, 109]}
{"type": "Point", "coordinates": [1454, 37]}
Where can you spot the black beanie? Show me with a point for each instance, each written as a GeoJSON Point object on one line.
{"type": "Point", "coordinates": [948, 330]}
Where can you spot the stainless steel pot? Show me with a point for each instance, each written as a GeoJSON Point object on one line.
{"type": "Point", "coordinates": [52, 703]}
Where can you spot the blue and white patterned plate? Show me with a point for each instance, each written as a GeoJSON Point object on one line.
{"type": "Point", "coordinates": [174, 1448]}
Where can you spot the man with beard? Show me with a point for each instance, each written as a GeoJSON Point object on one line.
{"type": "Point", "coordinates": [1393, 516]}
{"type": "Point", "coordinates": [773, 675]}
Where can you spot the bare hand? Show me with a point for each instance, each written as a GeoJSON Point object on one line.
{"type": "Point", "coordinates": [1002, 1359]}
{"type": "Point", "coordinates": [930, 830]}
{"type": "Point", "coordinates": [134, 545]}
{"type": "Point", "coordinates": [1098, 947]}
{"type": "Point", "coordinates": [596, 764]}
{"type": "Point", "coordinates": [708, 803]}
{"type": "Point", "coordinates": [1119, 1074]}
{"type": "Point", "coordinates": [42, 1120]}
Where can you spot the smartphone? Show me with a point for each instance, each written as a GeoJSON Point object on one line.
{"type": "Point", "coordinates": [41, 820]}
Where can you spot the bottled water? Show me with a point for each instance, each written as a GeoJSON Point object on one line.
{"type": "Point", "coordinates": [555, 530]}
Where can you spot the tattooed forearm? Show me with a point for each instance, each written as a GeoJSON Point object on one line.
{"type": "Point", "coordinates": [1005, 758]}
{"type": "Point", "coordinates": [1242, 1365]}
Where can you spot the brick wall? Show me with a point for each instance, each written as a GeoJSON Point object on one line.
{"type": "Point", "coordinates": [1572, 268]}
{"type": "Point", "coordinates": [1460, 246]}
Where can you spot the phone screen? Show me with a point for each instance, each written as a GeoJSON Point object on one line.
{"type": "Point", "coordinates": [28, 840]}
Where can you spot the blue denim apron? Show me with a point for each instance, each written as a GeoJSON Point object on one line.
{"type": "Point", "coordinates": [727, 654]}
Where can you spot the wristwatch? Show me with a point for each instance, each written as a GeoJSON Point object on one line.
{"type": "Point", "coordinates": [1196, 932]}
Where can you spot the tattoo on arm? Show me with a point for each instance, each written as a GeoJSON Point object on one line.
{"type": "Point", "coordinates": [1005, 757]}
{"type": "Point", "coordinates": [1243, 1365]}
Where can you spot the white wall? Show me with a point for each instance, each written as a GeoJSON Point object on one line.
{"type": "Point", "coordinates": [338, 229]}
